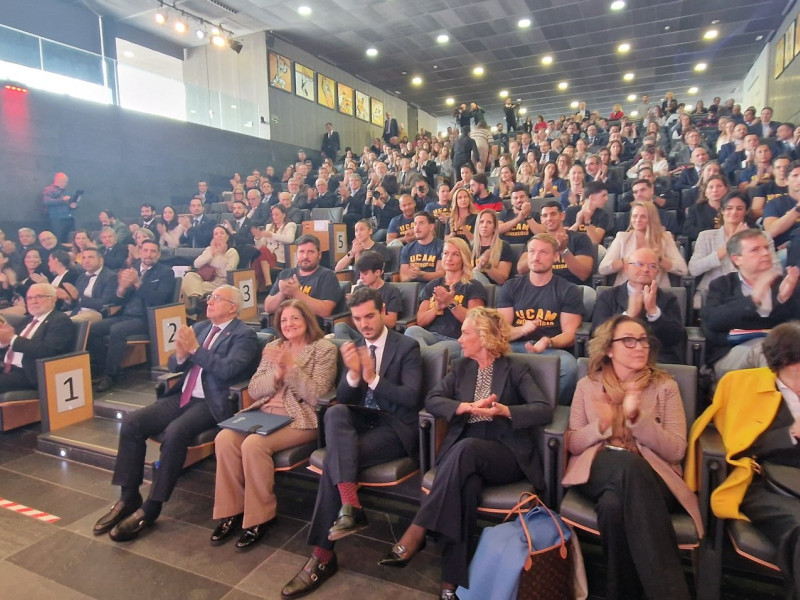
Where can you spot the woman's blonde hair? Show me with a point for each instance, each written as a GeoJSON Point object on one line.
{"type": "Point", "coordinates": [493, 330]}
{"type": "Point", "coordinates": [495, 244]}
{"type": "Point", "coordinates": [466, 258]}
{"type": "Point", "coordinates": [455, 218]}
{"type": "Point", "coordinates": [654, 233]}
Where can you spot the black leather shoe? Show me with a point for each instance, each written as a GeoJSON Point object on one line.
{"type": "Point", "coordinates": [399, 556]}
{"type": "Point", "coordinates": [252, 535]}
{"type": "Point", "coordinates": [130, 527]}
{"type": "Point", "coordinates": [225, 529]}
{"type": "Point", "coordinates": [119, 511]}
{"type": "Point", "coordinates": [350, 520]}
{"type": "Point", "coordinates": [448, 595]}
{"type": "Point", "coordinates": [310, 577]}
{"type": "Point", "coordinates": [104, 383]}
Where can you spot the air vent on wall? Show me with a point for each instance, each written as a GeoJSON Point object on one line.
{"type": "Point", "coordinates": [233, 11]}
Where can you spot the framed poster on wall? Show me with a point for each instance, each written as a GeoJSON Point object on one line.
{"type": "Point", "coordinates": [377, 112]}
{"type": "Point", "coordinates": [797, 35]}
{"type": "Point", "coordinates": [280, 72]}
{"type": "Point", "coordinates": [345, 94]}
{"type": "Point", "coordinates": [779, 57]}
{"type": "Point", "coordinates": [326, 94]}
{"type": "Point", "coordinates": [790, 42]}
{"type": "Point", "coordinates": [362, 106]}
{"type": "Point", "coordinates": [304, 81]}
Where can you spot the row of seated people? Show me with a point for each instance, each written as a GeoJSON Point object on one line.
{"type": "Point", "coordinates": [626, 438]}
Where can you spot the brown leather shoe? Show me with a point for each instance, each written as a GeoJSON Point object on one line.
{"type": "Point", "coordinates": [310, 577]}
{"type": "Point", "coordinates": [119, 511]}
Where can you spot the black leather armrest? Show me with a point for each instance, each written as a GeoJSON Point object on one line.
{"type": "Point", "coordinates": [555, 458]}
{"type": "Point", "coordinates": [323, 402]}
{"type": "Point", "coordinates": [427, 441]}
{"type": "Point", "coordinates": [166, 383]}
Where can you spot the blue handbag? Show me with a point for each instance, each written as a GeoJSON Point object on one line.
{"type": "Point", "coordinates": [526, 558]}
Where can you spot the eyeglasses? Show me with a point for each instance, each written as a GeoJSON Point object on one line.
{"type": "Point", "coordinates": [630, 342]}
{"type": "Point", "coordinates": [38, 298]}
{"type": "Point", "coordinates": [217, 298]}
{"type": "Point", "coordinates": [641, 265]}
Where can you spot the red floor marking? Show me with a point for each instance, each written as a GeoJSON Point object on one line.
{"type": "Point", "coordinates": [28, 512]}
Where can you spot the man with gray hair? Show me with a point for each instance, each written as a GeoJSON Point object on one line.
{"type": "Point", "coordinates": [45, 332]}
{"type": "Point", "coordinates": [213, 355]}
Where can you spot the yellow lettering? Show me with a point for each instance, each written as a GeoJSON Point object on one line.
{"type": "Point", "coordinates": [306, 289]}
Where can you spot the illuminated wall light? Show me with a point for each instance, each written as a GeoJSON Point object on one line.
{"type": "Point", "coordinates": [478, 71]}
{"type": "Point", "coordinates": [443, 38]}
{"type": "Point", "coordinates": [304, 10]}
{"type": "Point", "coordinates": [631, 97]}
{"type": "Point", "coordinates": [372, 52]}
{"type": "Point", "coordinates": [563, 85]}
{"type": "Point", "coordinates": [547, 60]}
{"type": "Point", "coordinates": [711, 34]}
{"type": "Point", "coordinates": [573, 104]}
{"type": "Point", "coordinates": [523, 23]}
{"type": "Point", "coordinates": [624, 47]}
{"type": "Point", "coordinates": [504, 93]}
{"type": "Point", "coordinates": [523, 111]}
{"type": "Point", "coordinates": [628, 76]}
{"type": "Point", "coordinates": [693, 90]}
{"type": "Point", "coordinates": [16, 88]}
{"type": "Point", "coordinates": [700, 67]}
{"type": "Point", "coordinates": [450, 101]}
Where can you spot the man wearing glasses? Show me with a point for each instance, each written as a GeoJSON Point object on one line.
{"type": "Point", "coordinates": [212, 355]}
{"type": "Point", "coordinates": [641, 298]}
{"type": "Point", "coordinates": [46, 332]}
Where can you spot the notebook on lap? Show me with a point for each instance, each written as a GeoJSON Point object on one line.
{"type": "Point", "coordinates": [255, 421]}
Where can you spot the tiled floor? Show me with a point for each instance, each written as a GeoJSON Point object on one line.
{"type": "Point", "coordinates": [174, 560]}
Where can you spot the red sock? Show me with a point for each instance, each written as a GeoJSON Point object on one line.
{"type": "Point", "coordinates": [348, 491]}
{"type": "Point", "coordinates": [322, 555]}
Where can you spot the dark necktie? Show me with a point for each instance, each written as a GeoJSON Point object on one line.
{"type": "Point", "coordinates": [194, 373]}
{"type": "Point", "coordinates": [369, 400]}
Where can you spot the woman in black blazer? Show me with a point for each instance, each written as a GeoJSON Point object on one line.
{"type": "Point", "coordinates": [493, 406]}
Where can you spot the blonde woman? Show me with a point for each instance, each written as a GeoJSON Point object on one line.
{"type": "Point", "coordinates": [463, 216]}
{"type": "Point", "coordinates": [645, 231]}
{"type": "Point", "coordinates": [526, 175]}
{"type": "Point", "coordinates": [492, 256]}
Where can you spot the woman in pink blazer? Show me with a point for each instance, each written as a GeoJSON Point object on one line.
{"type": "Point", "coordinates": [626, 438]}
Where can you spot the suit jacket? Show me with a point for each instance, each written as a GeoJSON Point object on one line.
{"type": "Point", "coordinates": [758, 129]}
{"type": "Point", "coordinates": [104, 290]}
{"type": "Point", "coordinates": [390, 129]}
{"type": "Point", "coordinates": [55, 335]}
{"type": "Point", "coordinates": [114, 258]}
{"type": "Point", "coordinates": [727, 308]}
{"type": "Point", "coordinates": [398, 393]}
{"type": "Point", "coordinates": [668, 328]}
{"type": "Point", "coordinates": [244, 236]}
{"type": "Point", "coordinates": [262, 215]}
{"type": "Point", "coordinates": [151, 227]}
{"type": "Point", "coordinates": [199, 236]}
{"type": "Point", "coordinates": [784, 148]}
{"type": "Point", "coordinates": [429, 170]}
{"type": "Point", "coordinates": [687, 179]}
{"type": "Point", "coordinates": [389, 183]}
{"type": "Point", "coordinates": [330, 144]}
{"type": "Point", "coordinates": [327, 200]}
{"type": "Point", "coordinates": [157, 288]}
{"type": "Point", "coordinates": [231, 358]}
{"type": "Point", "coordinates": [515, 387]}
{"type": "Point", "coordinates": [355, 203]}
{"type": "Point", "coordinates": [659, 434]}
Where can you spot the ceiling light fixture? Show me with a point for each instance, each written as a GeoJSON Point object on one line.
{"type": "Point", "coordinates": [181, 26]}
{"type": "Point", "coordinates": [304, 10]}
{"type": "Point", "coordinates": [523, 111]}
{"type": "Point", "coordinates": [617, 5]}
{"type": "Point", "coordinates": [573, 104]}
{"type": "Point", "coordinates": [628, 76]}
{"type": "Point", "coordinates": [667, 27]}
{"type": "Point", "coordinates": [478, 70]}
{"type": "Point", "coordinates": [715, 21]}
{"type": "Point", "coordinates": [547, 60]}
{"type": "Point", "coordinates": [563, 85]}
{"type": "Point", "coordinates": [443, 38]}
{"type": "Point", "coordinates": [631, 97]}
{"type": "Point", "coordinates": [523, 23]}
{"type": "Point", "coordinates": [200, 34]}
{"type": "Point", "coordinates": [700, 67]}
{"type": "Point", "coordinates": [217, 39]}
{"type": "Point", "coordinates": [450, 101]}
{"type": "Point", "coordinates": [372, 52]}
{"type": "Point", "coordinates": [416, 80]}
{"type": "Point", "coordinates": [693, 90]}
{"type": "Point", "coordinates": [624, 47]}
{"type": "Point", "coordinates": [711, 34]}
{"type": "Point", "coordinates": [504, 93]}
{"type": "Point", "coordinates": [161, 16]}
{"type": "Point", "coordinates": [759, 38]}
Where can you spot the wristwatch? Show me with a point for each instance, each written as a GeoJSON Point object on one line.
{"type": "Point", "coordinates": [452, 306]}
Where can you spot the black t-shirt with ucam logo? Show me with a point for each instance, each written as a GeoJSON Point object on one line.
{"type": "Point", "coordinates": [545, 303]}
{"type": "Point", "coordinates": [422, 255]}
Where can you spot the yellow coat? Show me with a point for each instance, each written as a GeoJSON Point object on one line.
{"type": "Point", "coordinates": [744, 406]}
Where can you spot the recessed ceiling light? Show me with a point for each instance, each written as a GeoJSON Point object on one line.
{"type": "Point", "coordinates": [443, 38]}
{"type": "Point", "coordinates": [372, 52]}
{"type": "Point", "coordinates": [573, 104]}
{"type": "Point", "coordinates": [417, 80]}
{"type": "Point", "coordinates": [710, 34]}
{"type": "Point", "coordinates": [450, 101]}
{"type": "Point", "coordinates": [403, 72]}
{"type": "Point", "coordinates": [233, 106]}
{"type": "Point", "coordinates": [523, 110]}
{"type": "Point", "coordinates": [693, 90]}
{"type": "Point", "coordinates": [628, 76]}
{"type": "Point", "coordinates": [477, 71]}
{"type": "Point", "coordinates": [631, 97]}
{"type": "Point", "coordinates": [547, 60]}
{"type": "Point", "coordinates": [503, 93]}
{"type": "Point", "coordinates": [759, 38]}
{"type": "Point", "coordinates": [617, 5]}
{"type": "Point", "coordinates": [715, 21]}
{"type": "Point", "coordinates": [634, 113]}
{"type": "Point", "coordinates": [304, 10]}
{"type": "Point", "coordinates": [128, 54]}
{"type": "Point", "coordinates": [667, 27]}
{"type": "Point", "coordinates": [524, 23]}
{"type": "Point", "coordinates": [563, 85]}
{"type": "Point", "coordinates": [624, 47]}
{"type": "Point", "coordinates": [700, 67]}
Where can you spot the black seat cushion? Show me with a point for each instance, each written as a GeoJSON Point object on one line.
{"type": "Point", "coordinates": [290, 457]}
{"type": "Point", "coordinates": [382, 474]}
{"type": "Point", "coordinates": [495, 498]}
{"type": "Point", "coordinates": [751, 542]}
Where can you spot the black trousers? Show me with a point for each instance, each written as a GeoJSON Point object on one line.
{"type": "Point", "coordinates": [355, 439]}
{"type": "Point", "coordinates": [639, 543]}
{"type": "Point", "coordinates": [451, 508]}
{"type": "Point", "coordinates": [778, 518]}
{"type": "Point", "coordinates": [180, 427]}
{"type": "Point", "coordinates": [61, 228]}
{"type": "Point", "coordinates": [114, 331]}
{"type": "Point", "coordinates": [15, 379]}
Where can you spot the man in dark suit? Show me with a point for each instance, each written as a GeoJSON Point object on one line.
{"type": "Point", "coordinates": [258, 210]}
{"type": "Point", "coordinates": [783, 144]}
{"type": "Point", "coordinates": [427, 168]}
{"type": "Point", "coordinates": [239, 227]}
{"type": "Point", "coordinates": [114, 254]}
{"type": "Point", "coordinates": [148, 283]}
{"type": "Point", "coordinates": [326, 198]}
{"type": "Point", "coordinates": [353, 200]}
{"type": "Point", "coordinates": [212, 355]}
{"type": "Point", "coordinates": [96, 287]}
{"type": "Point", "coordinates": [691, 175]}
{"type": "Point", "coordinates": [766, 127]}
{"type": "Point", "coordinates": [46, 332]}
{"type": "Point", "coordinates": [199, 228]}
{"type": "Point", "coordinates": [641, 298]}
{"type": "Point", "coordinates": [330, 142]}
{"type": "Point", "coordinates": [390, 128]}
{"type": "Point", "coordinates": [206, 197]}
{"type": "Point", "coordinates": [149, 220]}
{"type": "Point", "coordinates": [374, 421]}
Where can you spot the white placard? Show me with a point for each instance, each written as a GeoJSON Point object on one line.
{"type": "Point", "coordinates": [341, 242]}
{"type": "Point", "coordinates": [69, 390]}
{"type": "Point", "coordinates": [169, 333]}
{"type": "Point", "coordinates": [246, 287]}
{"type": "Point", "coordinates": [320, 225]}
